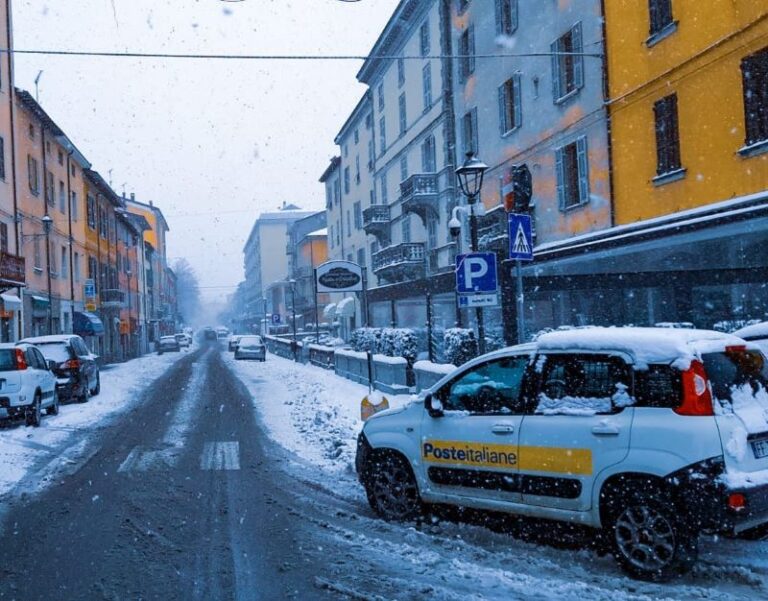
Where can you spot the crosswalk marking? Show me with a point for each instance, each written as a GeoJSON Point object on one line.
{"type": "Point", "coordinates": [144, 460]}
{"type": "Point", "coordinates": [220, 456]}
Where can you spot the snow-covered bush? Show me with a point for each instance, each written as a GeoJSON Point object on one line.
{"type": "Point", "coordinates": [365, 339]}
{"type": "Point", "coordinates": [460, 345]}
{"type": "Point", "coordinates": [404, 343]}
{"type": "Point", "coordinates": [392, 342]}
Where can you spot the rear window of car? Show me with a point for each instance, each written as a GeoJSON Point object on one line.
{"type": "Point", "coordinates": [7, 359]}
{"type": "Point", "coordinates": [735, 369]}
{"type": "Point", "coordinates": [55, 351]}
{"type": "Point", "coordinates": [250, 342]}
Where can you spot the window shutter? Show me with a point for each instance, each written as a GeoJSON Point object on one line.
{"type": "Point", "coordinates": [471, 49]}
{"type": "Point", "coordinates": [499, 17]}
{"type": "Point", "coordinates": [513, 15]}
{"type": "Point", "coordinates": [578, 61]}
{"type": "Point", "coordinates": [583, 161]}
{"type": "Point", "coordinates": [554, 49]}
{"type": "Point", "coordinates": [516, 79]}
{"type": "Point", "coordinates": [475, 139]}
{"type": "Point", "coordinates": [502, 110]}
{"type": "Point", "coordinates": [560, 175]}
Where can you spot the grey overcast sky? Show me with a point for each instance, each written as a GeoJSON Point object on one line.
{"type": "Point", "coordinates": [212, 143]}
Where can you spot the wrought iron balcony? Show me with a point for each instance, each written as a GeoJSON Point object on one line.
{"type": "Point", "coordinates": [419, 195]}
{"type": "Point", "coordinates": [112, 298]}
{"type": "Point", "coordinates": [401, 262]}
{"type": "Point", "coordinates": [376, 222]}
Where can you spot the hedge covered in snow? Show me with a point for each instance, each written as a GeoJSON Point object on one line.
{"type": "Point", "coordinates": [392, 342]}
{"type": "Point", "coordinates": [460, 345]}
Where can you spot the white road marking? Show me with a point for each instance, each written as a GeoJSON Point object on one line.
{"type": "Point", "coordinates": [220, 456]}
{"type": "Point", "coordinates": [145, 460]}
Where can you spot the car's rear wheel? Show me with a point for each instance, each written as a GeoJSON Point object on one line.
{"type": "Point", "coordinates": [391, 488]}
{"type": "Point", "coordinates": [54, 408]}
{"type": "Point", "coordinates": [650, 540]}
{"type": "Point", "coordinates": [86, 396]}
{"type": "Point", "coordinates": [34, 414]}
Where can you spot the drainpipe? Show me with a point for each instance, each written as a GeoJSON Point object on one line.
{"type": "Point", "coordinates": [47, 237]}
{"type": "Point", "coordinates": [606, 97]}
{"type": "Point", "coordinates": [71, 241]}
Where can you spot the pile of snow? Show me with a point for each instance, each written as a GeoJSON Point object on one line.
{"type": "Point", "coordinates": [676, 347]}
{"type": "Point", "coordinates": [436, 368]}
{"type": "Point", "coordinates": [22, 448]}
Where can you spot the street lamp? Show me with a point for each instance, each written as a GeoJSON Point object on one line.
{"type": "Point", "coordinates": [470, 176]}
{"type": "Point", "coordinates": [47, 226]}
{"type": "Point", "coordinates": [294, 346]}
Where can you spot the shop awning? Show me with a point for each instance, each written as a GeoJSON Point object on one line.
{"type": "Point", "coordinates": [11, 302]}
{"type": "Point", "coordinates": [329, 311]}
{"type": "Point", "coordinates": [346, 307]}
{"type": "Point", "coordinates": [39, 301]}
{"type": "Point", "coordinates": [87, 324]}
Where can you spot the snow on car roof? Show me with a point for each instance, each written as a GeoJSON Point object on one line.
{"type": "Point", "coordinates": [757, 330]}
{"type": "Point", "coordinates": [49, 339]}
{"type": "Point", "coordinates": [677, 347]}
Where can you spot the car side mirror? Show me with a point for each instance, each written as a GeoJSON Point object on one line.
{"type": "Point", "coordinates": [51, 364]}
{"type": "Point", "coordinates": [434, 406]}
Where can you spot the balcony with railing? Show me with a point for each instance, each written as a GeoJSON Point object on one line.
{"type": "Point", "coordinates": [419, 195]}
{"type": "Point", "coordinates": [400, 262]}
{"type": "Point", "coordinates": [376, 222]}
{"type": "Point", "coordinates": [112, 298]}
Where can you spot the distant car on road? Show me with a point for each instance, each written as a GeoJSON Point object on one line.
{"type": "Point", "coordinates": [233, 342]}
{"type": "Point", "coordinates": [251, 347]}
{"type": "Point", "coordinates": [208, 334]}
{"type": "Point", "coordinates": [27, 386]}
{"type": "Point", "coordinates": [182, 339]}
{"type": "Point", "coordinates": [222, 332]}
{"type": "Point", "coordinates": [168, 344]}
{"type": "Point", "coordinates": [76, 368]}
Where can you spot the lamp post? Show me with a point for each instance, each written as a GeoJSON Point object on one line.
{"type": "Point", "coordinates": [47, 225]}
{"type": "Point", "coordinates": [294, 346]}
{"type": "Point", "coordinates": [470, 176]}
{"type": "Point", "coordinates": [263, 325]}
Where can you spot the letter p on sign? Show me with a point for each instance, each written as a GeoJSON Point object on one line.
{"type": "Point", "coordinates": [476, 273]}
{"type": "Point", "coordinates": [475, 268]}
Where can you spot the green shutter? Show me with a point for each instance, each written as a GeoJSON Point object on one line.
{"type": "Point", "coordinates": [554, 49]}
{"type": "Point", "coordinates": [560, 175]}
{"type": "Point", "coordinates": [583, 162]}
{"type": "Point", "coordinates": [502, 110]}
{"type": "Point", "coordinates": [578, 61]}
{"type": "Point", "coordinates": [471, 49]}
{"type": "Point", "coordinates": [518, 91]}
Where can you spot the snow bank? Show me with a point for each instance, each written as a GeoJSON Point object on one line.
{"type": "Point", "coordinates": [437, 368]}
{"type": "Point", "coordinates": [22, 447]}
{"type": "Point", "coordinates": [677, 347]}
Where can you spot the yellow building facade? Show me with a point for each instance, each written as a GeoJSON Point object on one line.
{"type": "Point", "coordinates": [691, 58]}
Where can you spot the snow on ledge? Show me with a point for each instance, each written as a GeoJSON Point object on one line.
{"type": "Point", "coordinates": [435, 368]}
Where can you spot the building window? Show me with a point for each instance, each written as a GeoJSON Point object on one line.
{"type": "Point", "coordinates": [400, 71]}
{"type": "Point", "coordinates": [346, 151]}
{"type": "Point", "coordinates": [330, 238]}
{"type": "Point", "coordinates": [36, 254]}
{"type": "Point", "coordinates": [34, 178]}
{"type": "Point", "coordinates": [346, 180]}
{"type": "Point", "coordinates": [338, 231]}
{"type": "Point", "coordinates": [432, 232]}
{"type": "Point", "coordinates": [361, 257]}
{"type": "Point", "coordinates": [382, 136]}
{"type": "Point", "coordinates": [754, 71]}
{"type": "Point", "coordinates": [380, 94]}
{"type": "Point", "coordinates": [358, 208]}
{"type": "Point", "coordinates": [2, 158]}
{"type": "Point", "coordinates": [91, 212]}
{"type": "Point", "coordinates": [667, 135]}
{"type": "Point", "coordinates": [467, 53]}
{"type": "Point", "coordinates": [424, 38]}
{"type": "Point", "coordinates": [49, 189]}
{"type": "Point", "coordinates": [61, 158]}
{"type": "Point", "coordinates": [660, 15]}
{"type": "Point", "coordinates": [469, 132]}
{"type": "Point", "coordinates": [357, 169]}
{"type": "Point", "coordinates": [405, 228]}
{"type": "Point", "coordinates": [92, 269]}
{"type": "Point", "coordinates": [31, 131]}
{"type": "Point", "coordinates": [62, 198]}
{"type": "Point", "coordinates": [357, 137]}
{"type": "Point", "coordinates": [103, 222]}
{"type": "Point", "coordinates": [510, 105]}
{"type": "Point", "coordinates": [52, 258]}
{"type": "Point", "coordinates": [506, 17]}
{"type": "Point", "coordinates": [403, 122]}
{"type": "Point", "coordinates": [463, 4]}
{"type": "Point", "coordinates": [73, 206]}
{"type": "Point", "coordinates": [374, 248]}
{"type": "Point", "coordinates": [73, 171]}
{"type": "Point", "coordinates": [567, 63]}
{"type": "Point", "coordinates": [572, 174]}
{"type": "Point", "coordinates": [403, 168]}
{"type": "Point", "coordinates": [76, 266]}
{"type": "Point", "coordinates": [4, 237]}
{"type": "Point", "coordinates": [371, 153]}
{"type": "Point", "coordinates": [349, 223]}
{"type": "Point", "coordinates": [426, 83]}
{"type": "Point", "coordinates": [64, 263]}
{"type": "Point", "coordinates": [428, 160]}
{"type": "Point", "coordinates": [383, 187]}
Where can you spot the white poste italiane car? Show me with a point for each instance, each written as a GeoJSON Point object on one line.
{"type": "Point", "coordinates": [27, 385]}
{"type": "Point", "coordinates": [651, 435]}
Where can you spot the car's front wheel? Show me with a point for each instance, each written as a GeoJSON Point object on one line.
{"type": "Point", "coordinates": [391, 488]}
{"type": "Point", "coordinates": [650, 540]}
{"type": "Point", "coordinates": [97, 389]}
{"type": "Point", "coordinates": [86, 396]}
{"type": "Point", "coordinates": [34, 414]}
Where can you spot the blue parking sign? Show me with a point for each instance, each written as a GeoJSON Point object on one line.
{"type": "Point", "coordinates": [520, 237]}
{"type": "Point", "coordinates": [476, 273]}
{"type": "Point", "coordinates": [275, 318]}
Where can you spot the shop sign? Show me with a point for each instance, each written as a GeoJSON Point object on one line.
{"type": "Point", "coordinates": [12, 269]}
{"type": "Point", "coordinates": [339, 276]}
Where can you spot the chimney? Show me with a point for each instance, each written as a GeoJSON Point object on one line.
{"type": "Point", "coordinates": [151, 204]}
{"type": "Point", "coordinates": [133, 196]}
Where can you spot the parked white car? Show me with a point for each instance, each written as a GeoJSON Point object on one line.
{"type": "Point", "coordinates": [651, 435]}
{"type": "Point", "coordinates": [27, 385]}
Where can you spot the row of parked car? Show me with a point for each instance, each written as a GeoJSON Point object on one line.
{"type": "Point", "coordinates": [36, 374]}
{"type": "Point", "coordinates": [174, 344]}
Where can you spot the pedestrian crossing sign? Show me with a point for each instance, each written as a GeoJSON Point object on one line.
{"type": "Point", "coordinates": [520, 237]}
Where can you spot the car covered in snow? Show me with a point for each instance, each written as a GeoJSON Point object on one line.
{"type": "Point", "coordinates": [251, 347]}
{"type": "Point", "coordinates": [168, 344]}
{"type": "Point", "coordinates": [234, 340]}
{"type": "Point", "coordinates": [27, 386]}
{"type": "Point", "coordinates": [651, 435]}
{"type": "Point", "coordinates": [756, 333]}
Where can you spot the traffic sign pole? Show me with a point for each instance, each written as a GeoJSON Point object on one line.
{"type": "Point", "coordinates": [520, 303]}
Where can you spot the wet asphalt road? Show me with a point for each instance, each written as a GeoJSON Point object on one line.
{"type": "Point", "coordinates": [184, 498]}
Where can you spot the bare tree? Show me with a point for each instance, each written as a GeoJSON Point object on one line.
{"type": "Point", "coordinates": [187, 290]}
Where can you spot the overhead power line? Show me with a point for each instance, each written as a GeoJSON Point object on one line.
{"type": "Point", "coordinates": [290, 57]}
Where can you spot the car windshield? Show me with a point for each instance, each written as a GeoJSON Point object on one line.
{"type": "Point", "coordinates": [320, 262]}
{"type": "Point", "coordinates": [54, 351]}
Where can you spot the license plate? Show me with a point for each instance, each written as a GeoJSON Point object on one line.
{"type": "Point", "coordinates": [760, 448]}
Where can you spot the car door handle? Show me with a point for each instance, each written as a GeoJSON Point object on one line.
{"type": "Point", "coordinates": [605, 430]}
{"type": "Point", "coordinates": [502, 428]}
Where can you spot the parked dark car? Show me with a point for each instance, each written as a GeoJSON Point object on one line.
{"type": "Point", "coordinates": [75, 367]}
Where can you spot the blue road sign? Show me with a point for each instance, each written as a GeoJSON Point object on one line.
{"type": "Point", "coordinates": [520, 237]}
{"type": "Point", "coordinates": [476, 273]}
{"type": "Point", "coordinates": [275, 318]}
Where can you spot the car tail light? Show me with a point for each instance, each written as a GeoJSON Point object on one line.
{"type": "Point", "coordinates": [21, 361]}
{"type": "Point", "coordinates": [697, 398]}
{"type": "Point", "coordinates": [71, 364]}
{"type": "Point", "coordinates": [737, 501]}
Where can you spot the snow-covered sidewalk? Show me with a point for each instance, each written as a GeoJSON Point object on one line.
{"type": "Point", "coordinates": [22, 447]}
